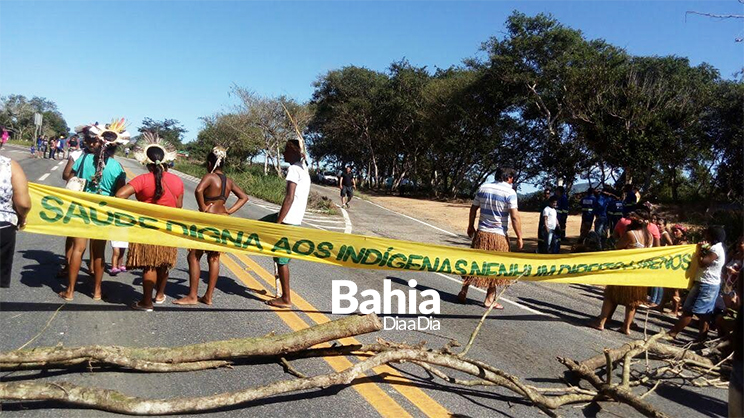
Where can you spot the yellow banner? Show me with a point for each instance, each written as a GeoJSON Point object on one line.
{"type": "Point", "coordinates": [62, 212]}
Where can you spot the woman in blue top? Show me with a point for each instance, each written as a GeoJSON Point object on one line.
{"type": "Point", "coordinates": [104, 175]}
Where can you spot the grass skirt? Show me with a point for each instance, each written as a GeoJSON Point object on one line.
{"type": "Point", "coordinates": [490, 242]}
{"type": "Point", "coordinates": [630, 296]}
{"type": "Point", "coordinates": [146, 255]}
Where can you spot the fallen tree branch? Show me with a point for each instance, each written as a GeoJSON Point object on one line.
{"type": "Point", "coordinates": [618, 393]}
{"type": "Point", "coordinates": [190, 357]}
{"type": "Point", "coordinates": [114, 401]}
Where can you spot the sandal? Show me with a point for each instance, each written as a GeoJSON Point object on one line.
{"type": "Point", "coordinates": [137, 307]}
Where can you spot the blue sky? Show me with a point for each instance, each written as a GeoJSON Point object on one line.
{"type": "Point", "coordinates": [175, 59]}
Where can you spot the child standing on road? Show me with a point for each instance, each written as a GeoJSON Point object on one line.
{"type": "Point", "coordinates": [211, 195]}
{"type": "Point", "coordinates": [118, 248]}
{"type": "Point", "coordinates": [292, 211]}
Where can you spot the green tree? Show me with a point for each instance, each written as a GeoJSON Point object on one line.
{"type": "Point", "coordinates": [169, 130]}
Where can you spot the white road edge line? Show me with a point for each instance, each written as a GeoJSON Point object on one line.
{"type": "Point", "coordinates": [511, 302]}
{"type": "Point", "coordinates": [347, 220]}
{"type": "Point", "coordinates": [43, 177]}
{"type": "Point", "coordinates": [412, 218]}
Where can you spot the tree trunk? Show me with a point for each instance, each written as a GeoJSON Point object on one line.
{"type": "Point", "coordinates": [158, 359]}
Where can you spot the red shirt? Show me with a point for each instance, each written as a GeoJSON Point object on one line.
{"type": "Point", "coordinates": [622, 226]}
{"type": "Point", "coordinates": [144, 187]}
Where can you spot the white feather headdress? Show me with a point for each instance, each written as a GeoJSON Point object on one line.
{"type": "Point", "coordinates": [110, 134]}
{"type": "Point", "coordinates": [221, 154]}
{"type": "Point", "coordinates": [153, 140]}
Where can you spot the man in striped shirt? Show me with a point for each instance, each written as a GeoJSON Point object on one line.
{"type": "Point", "coordinates": [497, 203]}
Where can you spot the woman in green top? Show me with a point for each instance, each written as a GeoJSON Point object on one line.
{"type": "Point", "coordinates": [104, 175]}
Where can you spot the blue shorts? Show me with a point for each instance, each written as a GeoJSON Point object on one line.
{"type": "Point", "coordinates": [702, 299]}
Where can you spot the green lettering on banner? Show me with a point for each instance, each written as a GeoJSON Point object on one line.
{"type": "Point", "coordinates": [46, 204]}
{"type": "Point", "coordinates": [94, 216]}
{"type": "Point", "coordinates": [475, 269]}
{"type": "Point", "coordinates": [411, 263]}
{"type": "Point", "coordinates": [297, 248]}
{"type": "Point", "coordinates": [341, 253]}
{"type": "Point", "coordinates": [169, 227]}
{"type": "Point", "coordinates": [119, 219]}
{"type": "Point", "coordinates": [356, 257]}
{"type": "Point", "coordinates": [143, 222]}
{"type": "Point", "coordinates": [237, 240]}
{"type": "Point", "coordinates": [253, 240]}
{"type": "Point", "coordinates": [323, 250]}
{"type": "Point", "coordinates": [446, 266]}
{"type": "Point", "coordinates": [371, 252]}
{"type": "Point", "coordinates": [393, 258]}
{"type": "Point", "coordinates": [215, 234]}
{"type": "Point", "coordinates": [428, 266]}
{"type": "Point", "coordinates": [82, 214]}
{"type": "Point", "coordinates": [542, 270]}
{"type": "Point", "coordinates": [283, 245]}
{"type": "Point", "coordinates": [460, 267]}
{"type": "Point", "coordinates": [686, 260]}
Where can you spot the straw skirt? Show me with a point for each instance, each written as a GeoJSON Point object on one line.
{"type": "Point", "coordinates": [153, 256]}
{"type": "Point", "coordinates": [490, 242]}
{"type": "Point", "coordinates": [630, 296]}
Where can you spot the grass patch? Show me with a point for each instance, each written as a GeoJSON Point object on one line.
{"type": "Point", "coordinates": [265, 187]}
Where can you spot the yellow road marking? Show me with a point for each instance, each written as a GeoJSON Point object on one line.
{"type": "Point", "coordinates": [416, 396]}
{"type": "Point", "coordinates": [371, 392]}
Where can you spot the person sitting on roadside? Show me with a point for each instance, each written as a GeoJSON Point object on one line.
{"type": "Point", "coordinates": [211, 195]}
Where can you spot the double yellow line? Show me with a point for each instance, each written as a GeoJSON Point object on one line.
{"type": "Point", "coordinates": [371, 392]}
{"type": "Point", "coordinates": [383, 403]}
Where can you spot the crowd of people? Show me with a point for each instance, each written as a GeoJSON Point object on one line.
{"type": "Point", "coordinates": [92, 168]}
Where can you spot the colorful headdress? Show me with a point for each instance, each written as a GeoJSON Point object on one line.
{"type": "Point", "coordinates": [114, 133]}
{"type": "Point", "coordinates": [221, 154]}
{"type": "Point", "coordinates": [151, 140]}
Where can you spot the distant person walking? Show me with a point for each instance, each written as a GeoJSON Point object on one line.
{"type": "Point", "coordinates": [291, 212]}
{"type": "Point", "coordinates": [61, 147]}
{"type": "Point", "coordinates": [347, 184]}
{"type": "Point", "coordinates": [587, 212]}
{"type": "Point", "coordinates": [497, 203]}
{"type": "Point", "coordinates": [15, 203]}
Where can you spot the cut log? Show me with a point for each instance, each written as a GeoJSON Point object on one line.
{"type": "Point", "coordinates": [190, 357]}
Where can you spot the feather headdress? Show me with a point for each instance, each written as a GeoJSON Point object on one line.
{"type": "Point", "coordinates": [221, 154]}
{"type": "Point", "coordinates": [150, 140]}
{"type": "Point", "coordinates": [112, 133]}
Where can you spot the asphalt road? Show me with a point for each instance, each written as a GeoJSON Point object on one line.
{"type": "Point", "coordinates": [539, 323]}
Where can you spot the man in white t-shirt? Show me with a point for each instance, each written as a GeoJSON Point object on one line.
{"type": "Point", "coordinates": [292, 212]}
{"type": "Point", "coordinates": [550, 226]}
{"type": "Point", "coordinates": [702, 297]}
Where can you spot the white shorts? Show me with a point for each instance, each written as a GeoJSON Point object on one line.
{"type": "Point", "coordinates": [119, 244]}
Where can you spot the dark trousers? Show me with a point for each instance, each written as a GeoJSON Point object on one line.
{"type": "Point", "coordinates": [7, 249]}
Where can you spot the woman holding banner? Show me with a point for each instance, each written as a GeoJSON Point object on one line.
{"type": "Point", "coordinates": [211, 195]}
{"type": "Point", "coordinates": [636, 236]}
{"type": "Point", "coordinates": [159, 188]}
{"type": "Point", "coordinates": [15, 203]}
{"type": "Point", "coordinates": [99, 173]}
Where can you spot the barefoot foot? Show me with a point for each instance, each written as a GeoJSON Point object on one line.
{"type": "Point", "coordinates": [279, 303]}
{"type": "Point", "coordinates": [596, 325]}
{"type": "Point", "coordinates": [187, 300]}
{"type": "Point", "coordinates": [205, 300]}
{"type": "Point", "coordinates": [65, 295]}
{"type": "Point", "coordinates": [462, 297]}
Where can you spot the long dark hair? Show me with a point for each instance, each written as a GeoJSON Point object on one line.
{"type": "Point", "coordinates": [639, 220]}
{"type": "Point", "coordinates": [156, 154]}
